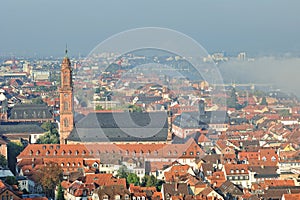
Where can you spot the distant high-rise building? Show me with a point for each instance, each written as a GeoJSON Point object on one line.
{"type": "Point", "coordinates": [242, 56]}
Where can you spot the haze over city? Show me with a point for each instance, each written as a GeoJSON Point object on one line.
{"type": "Point", "coordinates": [42, 28]}
{"type": "Point", "coordinates": [149, 100]}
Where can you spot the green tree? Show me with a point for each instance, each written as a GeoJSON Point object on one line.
{"type": "Point", "coordinates": [122, 172]}
{"type": "Point", "coordinates": [3, 161]}
{"type": "Point", "coordinates": [49, 176]}
{"type": "Point", "coordinates": [51, 136]}
{"type": "Point", "coordinates": [48, 138]}
{"type": "Point", "coordinates": [264, 101]}
{"type": "Point", "coordinates": [37, 100]}
{"type": "Point", "coordinates": [60, 193]}
{"type": "Point", "coordinates": [47, 126]}
{"type": "Point", "coordinates": [11, 180]}
{"type": "Point", "coordinates": [99, 107]}
{"type": "Point", "coordinates": [13, 149]}
{"type": "Point", "coordinates": [133, 179]}
{"type": "Point", "coordinates": [97, 90]}
{"type": "Point", "coordinates": [152, 181]}
{"type": "Point", "coordinates": [134, 108]}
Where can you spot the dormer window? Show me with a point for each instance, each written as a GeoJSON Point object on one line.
{"type": "Point", "coordinates": [95, 165]}
{"type": "Point", "coordinates": [38, 152]}
{"type": "Point", "coordinates": [31, 152]}
{"type": "Point", "coordinates": [264, 158]}
{"type": "Point", "coordinates": [232, 171]}
{"type": "Point", "coordinates": [237, 171]}
{"type": "Point", "coordinates": [273, 158]}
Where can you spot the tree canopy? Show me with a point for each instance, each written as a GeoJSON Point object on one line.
{"type": "Point", "coordinates": [51, 136]}
{"type": "Point", "coordinates": [13, 149]}
{"type": "Point", "coordinates": [132, 178]}
{"type": "Point", "coordinates": [3, 161]}
{"type": "Point", "coordinates": [49, 176]}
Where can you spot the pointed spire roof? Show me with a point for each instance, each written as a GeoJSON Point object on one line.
{"type": "Point", "coordinates": [66, 61]}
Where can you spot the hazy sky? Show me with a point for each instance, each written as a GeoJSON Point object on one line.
{"type": "Point", "coordinates": [44, 27]}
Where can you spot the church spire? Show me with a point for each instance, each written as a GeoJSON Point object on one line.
{"type": "Point", "coordinates": [66, 51]}
{"type": "Point", "coordinates": [66, 100]}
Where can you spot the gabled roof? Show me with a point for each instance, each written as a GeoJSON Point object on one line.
{"type": "Point", "coordinates": [12, 128]}
{"type": "Point", "coordinates": [111, 191]}
{"type": "Point", "coordinates": [234, 169]}
{"type": "Point", "coordinates": [203, 138]}
{"type": "Point", "coordinates": [30, 111]}
{"type": "Point", "coordinates": [104, 180]}
{"type": "Point", "coordinates": [175, 189]}
{"type": "Point", "coordinates": [121, 126]}
{"type": "Point", "coordinates": [229, 188]}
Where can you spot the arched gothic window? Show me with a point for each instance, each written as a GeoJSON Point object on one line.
{"type": "Point", "coordinates": [66, 105]}
{"type": "Point", "coordinates": [66, 122]}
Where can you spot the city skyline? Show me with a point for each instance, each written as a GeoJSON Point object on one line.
{"type": "Point", "coordinates": [43, 28]}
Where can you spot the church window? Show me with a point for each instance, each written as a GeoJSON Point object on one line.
{"type": "Point", "coordinates": [273, 158]}
{"type": "Point", "coordinates": [66, 105]}
{"type": "Point", "coordinates": [66, 122]}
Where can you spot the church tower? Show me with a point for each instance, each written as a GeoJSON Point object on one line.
{"type": "Point", "coordinates": [66, 100]}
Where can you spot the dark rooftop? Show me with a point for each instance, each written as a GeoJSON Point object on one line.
{"type": "Point", "coordinates": [124, 126]}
